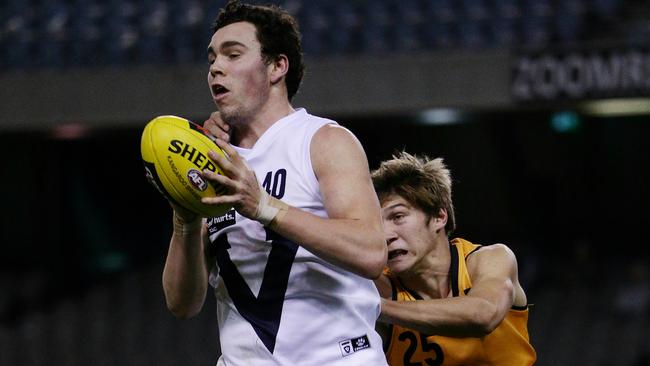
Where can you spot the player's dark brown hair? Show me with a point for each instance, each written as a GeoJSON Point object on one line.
{"type": "Point", "coordinates": [277, 32]}
{"type": "Point", "coordinates": [423, 182]}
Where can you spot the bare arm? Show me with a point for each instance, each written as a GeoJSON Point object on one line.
{"type": "Point", "coordinates": [185, 276]}
{"type": "Point", "coordinates": [384, 286]}
{"type": "Point", "coordinates": [493, 270]}
{"type": "Point", "coordinates": [385, 289]}
{"type": "Point", "coordinates": [351, 237]}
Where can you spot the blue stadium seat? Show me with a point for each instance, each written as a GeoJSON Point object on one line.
{"type": "Point", "coordinates": [537, 9]}
{"type": "Point", "coordinates": [407, 39]}
{"type": "Point", "coordinates": [475, 10]}
{"type": "Point", "coordinates": [377, 23]}
{"type": "Point", "coordinates": [154, 32]}
{"type": "Point", "coordinates": [187, 34]}
{"type": "Point", "coordinates": [638, 34]}
{"type": "Point", "coordinates": [569, 20]}
{"type": "Point", "coordinates": [507, 9]}
{"type": "Point", "coordinates": [211, 9]}
{"type": "Point", "coordinates": [124, 32]}
{"type": "Point", "coordinates": [536, 23]}
{"type": "Point", "coordinates": [345, 27]}
{"type": "Point", "coordinates": [535, 33]}
{"type": "Point", "coordinates": [409, 24]}
{"type": "Point", "coordinates": [19, 36]}
{"type": "Point", "coordinates": [409, 12]}
{"type": "Point", "coordinates": [505, 23]}
{"type": "Point", "coordinates": [314, 25]}
{"type": "Point", "coordinates": [439, 36]}
{"type": "Point", "coordinates": [123, 35]}
{"type": "Point", "coordinates": [53, 34]}
{"type": "Point", "coordinates": [607, 9]}
{"type": "Point", "coordinates": [439, 27]}
{"type": "Point", "coordinates": [471, 34]}
{"type": "Point", "coordinates": [504, 32]}
{"type": "Point", "coordinates": [88, 33]}
{"type": "Point", "coordinates": [441, 11]}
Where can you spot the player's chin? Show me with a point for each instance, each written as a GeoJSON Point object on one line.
{"type": "Point", "coordinates": [398, 265]}
{"type": "Point", "coordinates": [231, 114]}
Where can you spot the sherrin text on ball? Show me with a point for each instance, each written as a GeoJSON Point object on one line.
{"type": "Point", "coordinates": [175, 152]}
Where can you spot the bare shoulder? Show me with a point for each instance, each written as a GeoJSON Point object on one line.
{"type": "Point", "coordinates": [498, 261]}
{"type": "Point", "coordinates": [492, 258]}
{"type": "Point", "coordinates": [334, 131]}
{"type": "Point", "coordinates": [334, 143]}
{"type": "Point", "coordinates": [497, 249]}
{"type": "Point", "coordinates": [338, 157]}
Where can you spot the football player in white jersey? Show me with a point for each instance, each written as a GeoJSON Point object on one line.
{"type": "Point", "coordinates": [292, 264]}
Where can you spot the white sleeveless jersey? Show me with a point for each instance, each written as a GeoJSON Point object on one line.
{"type": "Point", "coordinates": [277, 303]}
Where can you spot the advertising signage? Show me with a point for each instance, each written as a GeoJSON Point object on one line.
{"type": "Point", "coordinates": [580, 75]}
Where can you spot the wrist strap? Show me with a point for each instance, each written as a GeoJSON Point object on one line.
{"type": "Point", "coordinates": [270, 210]}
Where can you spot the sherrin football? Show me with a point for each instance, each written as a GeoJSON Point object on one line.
{"type": "Point", "coordinates": [175, 152]}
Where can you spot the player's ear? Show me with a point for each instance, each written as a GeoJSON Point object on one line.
{"type": "Point", "coordinates": [440, 221]}
{"type": "Point", "coordinates": [278, 68]}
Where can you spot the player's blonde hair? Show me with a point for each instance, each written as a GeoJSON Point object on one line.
{"type": "Point", "coordinates": [423, 182]}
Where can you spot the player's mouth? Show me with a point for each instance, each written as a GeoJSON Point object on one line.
{"type": "Point", "coordinates": [219, 91]}
{"type": "Point", "coordinates": [392, 254]}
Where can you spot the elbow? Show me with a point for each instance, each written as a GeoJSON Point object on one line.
{"type": "Point", "coordinates": [485, 320]}
{"type": "Point", "coordinates": [183, 311]}
{"type": "Point", "coordinates": [375, 262]}
{"type": "Point", "coordinates": [372, 272]}
{"type": "Point", "coordinates": [183, 308]}
{"type": "Point", "coordinates": [183, 302]}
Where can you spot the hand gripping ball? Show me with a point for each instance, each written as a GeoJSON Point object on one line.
{"type": "Point", "coordinates": [175, 152]}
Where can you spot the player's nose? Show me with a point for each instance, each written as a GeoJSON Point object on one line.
{"type": "Point", "coordinates": [390, 236]}
{"type": "Point", "coordinates": [216, 67]}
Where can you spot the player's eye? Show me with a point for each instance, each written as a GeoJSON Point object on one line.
{"type": "Point", "coordinates": [398, 217]}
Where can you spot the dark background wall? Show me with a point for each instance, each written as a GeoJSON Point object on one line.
{"type": "Point", "coordinates": [563, 181]}
{"type": "Point", "coordinates": [81, 226]}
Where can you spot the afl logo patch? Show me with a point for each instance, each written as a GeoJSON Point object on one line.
{"type": "Point", "coordinates": [195, 178]}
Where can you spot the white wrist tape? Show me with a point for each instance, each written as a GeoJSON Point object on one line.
{"type": "Point", "coordinates": [269, 208]}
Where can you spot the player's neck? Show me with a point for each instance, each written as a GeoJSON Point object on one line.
{"type": "Point", "coordinates": [246, 133]}
{"type": "Point", "coordinates": [431, 279]}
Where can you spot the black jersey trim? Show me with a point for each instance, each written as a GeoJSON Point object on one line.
{"type": "Point", "coordinates": [393, 288]}
{"type": "Point", "coordinates": [389, 337]}
{"type": "Point", "coordinates": [413, 293]}
{"type": "Point", "coordinates": [453, 269]}
{"type": "Point", "coordinates": [473, 250]}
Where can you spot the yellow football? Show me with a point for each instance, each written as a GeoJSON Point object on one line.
{"type": "Point", "coordinates": [175, 152]}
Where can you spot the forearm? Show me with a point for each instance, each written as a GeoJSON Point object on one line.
{"type": "Point", "coordinates": [185, 275]}
{"type": "Point", "coordinates": [452, 317]}
{"type": "Point", "coordinates": [349, 243]}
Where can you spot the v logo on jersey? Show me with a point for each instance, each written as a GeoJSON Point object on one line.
{"type": "Point", "coordinates": [264, 311]}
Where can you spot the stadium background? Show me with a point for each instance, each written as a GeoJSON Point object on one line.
{"type": "Point", "coordinates": [538, 106]}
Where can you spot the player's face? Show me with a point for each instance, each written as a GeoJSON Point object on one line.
{"type": "Point", "coordinates": [238, 76]}
{"type": "Point", "coordinates": [408, 234]}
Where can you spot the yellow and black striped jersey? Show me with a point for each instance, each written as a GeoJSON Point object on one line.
{"type": "Point", "coordinates": [507, 345]}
